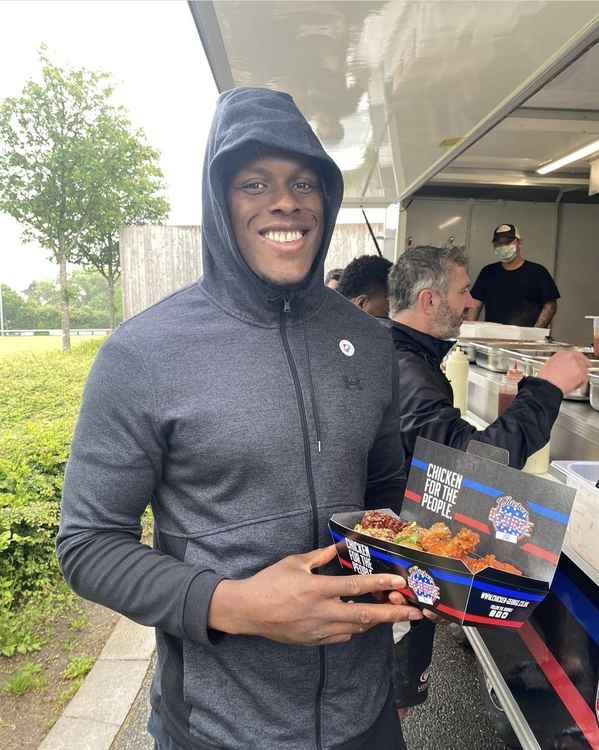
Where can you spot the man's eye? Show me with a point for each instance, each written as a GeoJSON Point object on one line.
{"type": "Point", "coordinates": [304, 187]}
{"type": "Point", "coordinates": [254, 186]}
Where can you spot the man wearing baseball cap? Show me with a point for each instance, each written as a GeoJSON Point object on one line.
{"type": "Point", "coordinates": [514, 290]}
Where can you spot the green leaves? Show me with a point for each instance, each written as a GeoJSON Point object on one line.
{"type": "Point", "coordinates": [73, 170]}
{"type": "Point", "coordinates": [39, 401]}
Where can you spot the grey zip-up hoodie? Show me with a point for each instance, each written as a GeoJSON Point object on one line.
{"type": "Point", "coordinates": [233, 407]}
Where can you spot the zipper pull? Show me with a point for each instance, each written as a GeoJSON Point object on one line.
{"type": "Point", "coordinates": [286, 305]}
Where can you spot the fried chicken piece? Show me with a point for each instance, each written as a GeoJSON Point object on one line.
{"type": "Point", "coordinates": [437, 534]}
{"type": "Point", "coordinates": [490, 561]}
{"type": "Point", "coordinates": [438, 541]}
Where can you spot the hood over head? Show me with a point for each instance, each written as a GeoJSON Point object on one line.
{"type": "Point", "coordinates": [249, 120]}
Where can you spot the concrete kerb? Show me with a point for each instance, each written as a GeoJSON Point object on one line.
{"type": "Point", "coordinates": [94, 716]}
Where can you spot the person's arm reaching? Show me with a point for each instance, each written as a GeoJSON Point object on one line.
{"type": "Point", "coordinates": [547, 314]}
{"type": "Point", "coordinates": [522, 430]}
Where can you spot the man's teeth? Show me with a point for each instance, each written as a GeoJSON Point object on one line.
{"type": "Point", "coordinates": [283, 236]}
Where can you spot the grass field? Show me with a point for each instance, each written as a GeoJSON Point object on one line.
{"type": "Point", "coordinates": [11, 345]}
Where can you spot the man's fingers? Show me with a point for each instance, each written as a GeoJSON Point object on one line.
{"type": "Point", "coordinates": [355, 586]}
{"type": "Point", "coordinates": [368, 615]}
{"type": "Point", "coordinates": [319, 557]}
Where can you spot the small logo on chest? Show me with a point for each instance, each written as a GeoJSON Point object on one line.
{"type": "Point", "coordinates": [352, 384]}
{"type": "Point", "coordinates": [347, 348]}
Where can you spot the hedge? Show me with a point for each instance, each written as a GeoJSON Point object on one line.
{"type": "Point", "coordinates": [39, 402]}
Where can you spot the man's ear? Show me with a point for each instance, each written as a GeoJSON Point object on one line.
{"type": "Point", "coordinates": [425, 301]}
{"type": "Point", "coordinates": [361, 301]}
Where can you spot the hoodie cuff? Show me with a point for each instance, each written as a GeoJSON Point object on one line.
{"type": "Point", "coordinates": [196, 606]}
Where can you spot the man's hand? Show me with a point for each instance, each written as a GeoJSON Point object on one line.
{"type": "Point", "coordinates": [288, 603]}
{"type": "Point", "coordinates": [567, 370]}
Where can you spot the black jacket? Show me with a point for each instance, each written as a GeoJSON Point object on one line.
{"type": "Point", "coordinates": [426, 403]}
{"type": "Point", "coordinates": [426, 407]}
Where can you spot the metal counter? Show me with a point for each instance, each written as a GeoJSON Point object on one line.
{"type": "Point", "coordinates": [575, 434]}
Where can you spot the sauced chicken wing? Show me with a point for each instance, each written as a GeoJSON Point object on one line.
{"type": "Point", "coordinates": [475, 565]}
{"type": "Point", "coordinates": [438, 541]}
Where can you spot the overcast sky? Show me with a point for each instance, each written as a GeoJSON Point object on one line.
{"type": "Point", "coordinates": [155, 56]}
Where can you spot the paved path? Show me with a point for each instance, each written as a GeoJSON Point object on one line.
{"type": "Point", "coordinates": [94, 716]}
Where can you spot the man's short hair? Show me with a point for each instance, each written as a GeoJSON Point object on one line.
{"type": "Point", "coordinates": [364, 275]}
{"type": "Point", "coordinates": [422, 267]}
{"type": "Point", "coordinates": [333, 274]}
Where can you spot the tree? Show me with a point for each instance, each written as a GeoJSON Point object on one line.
{"type": "Point", "coordinates": [57, 157]}
{"type": "Point", "coordinates": [13, 308]}
{"type": "Point", "coordinates": [39, 305]}
{"type": "Point", "coordinates": [131, 195]}
{"type": "Point", "coordinates": [91, 308]}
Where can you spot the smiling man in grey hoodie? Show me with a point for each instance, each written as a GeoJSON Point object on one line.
{"type": "Point", "coordinates": [247, 408]}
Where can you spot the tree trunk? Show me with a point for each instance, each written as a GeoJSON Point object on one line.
{"type": "Point", "coordinates": [111, 302]}
{"type": "Point", "coordinates": [64, 298]}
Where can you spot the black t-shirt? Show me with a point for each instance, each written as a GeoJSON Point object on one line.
{"type": "Point", "coordinates": [514, 297]}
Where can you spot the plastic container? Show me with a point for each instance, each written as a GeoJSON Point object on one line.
{"type": "Point", "coordinates": [508, 389]}
{"type": "Point", "coordinates": [595, 319]}
{"type": "Point", "coordinates": [456, 371]}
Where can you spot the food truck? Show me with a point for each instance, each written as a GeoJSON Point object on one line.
{"type": "Point", "coordinates": [456, 118]}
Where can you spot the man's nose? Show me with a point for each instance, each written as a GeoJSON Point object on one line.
{"type": "Point", "coordinates": [285, 200]}
{"type": "Point", "coordinates": [470, 301]}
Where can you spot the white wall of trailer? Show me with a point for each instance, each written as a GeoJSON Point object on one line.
{"type": "Point", "coordinates": [562, 237]}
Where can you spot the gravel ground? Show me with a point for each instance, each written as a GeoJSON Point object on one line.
{"type": "Point", "coordinates": [453, 718]}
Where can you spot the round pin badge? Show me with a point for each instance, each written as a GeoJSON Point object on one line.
{"type": "Point", "coordinates": [347, 347]}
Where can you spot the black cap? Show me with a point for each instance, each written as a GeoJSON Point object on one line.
{"type": "Point", "coordinates": [505, 232]}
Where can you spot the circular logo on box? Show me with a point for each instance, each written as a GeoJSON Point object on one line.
{"type": "Point", "coordinates": [510, 519]}
{"type": "Point", "coordinates": [423, 585]}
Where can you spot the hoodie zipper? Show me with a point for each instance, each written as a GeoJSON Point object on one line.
{"type": "Point", "coordinates": [308, 461]}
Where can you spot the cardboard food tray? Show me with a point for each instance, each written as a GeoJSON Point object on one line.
{"type": "Point", "coordinates": [520, 518]}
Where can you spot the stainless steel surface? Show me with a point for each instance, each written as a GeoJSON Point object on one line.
{"type": "Point", "coordinates": [579, 394]}
{"type": "Point", "coordinates": [540, 350]}
{"type": "Point", "coordinates": [491, 357]}
{"type": "Point", "coordinates": [508, 703]}
{"type": "Point", "coordinates": [574, 435]}
{"type": "Point", "coordinates": [468, 350]}
{"type": "Point", "coordinates": [356, 71]}
{"type": "Point", "coordinates": [495, 354]}
{"type": "Point", "coordinates": [531, 361]}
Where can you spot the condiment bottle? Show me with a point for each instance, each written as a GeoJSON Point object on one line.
{"type": "Point", "coordinates": [538, 463]}
{"type": "Point", "coordinates": [456, 371]}
{"type": "Point", "coordinates": [595, 319]}
{"type": "Point", "coordinates": [508, 389]}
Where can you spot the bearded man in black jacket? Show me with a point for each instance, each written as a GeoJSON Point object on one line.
{"type": "Point", "coordinates": [429, 297]}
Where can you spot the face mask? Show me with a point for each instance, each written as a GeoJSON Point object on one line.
{"type": "Point", "coordinates": [506, 253]}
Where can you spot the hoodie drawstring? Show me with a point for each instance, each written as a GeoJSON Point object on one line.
{"type": "Point", "coordinates": [312, 392]}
